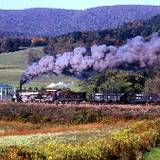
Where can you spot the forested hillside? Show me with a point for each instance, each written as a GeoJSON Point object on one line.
{"type": "Point", "coordinates": [10, 41]}
{"type": "Point", "coordinates": [115, 37]}
{"type": "Point", "coordinates": [53, 22]}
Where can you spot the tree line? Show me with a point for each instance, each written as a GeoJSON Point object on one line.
{"type": "Point", "coordinates": [115, 37]}
{"type": "Point", "coordinates": [123, 81]}
{"type": "Point", "coordinates": [13, 42]}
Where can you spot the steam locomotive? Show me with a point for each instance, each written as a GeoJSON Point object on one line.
{"type": "Point", "coordinates": [49, 95]}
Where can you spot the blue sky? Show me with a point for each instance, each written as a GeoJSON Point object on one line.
{"type": "Point", "coordinates": [69, 4]}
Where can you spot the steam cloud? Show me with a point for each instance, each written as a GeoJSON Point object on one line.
{"type": "Point", "coordinates": [137, 50]}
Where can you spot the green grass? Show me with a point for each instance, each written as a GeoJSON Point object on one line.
{"type": "Point", "coordinates": [13, 64]}
{"type": "Point", "coordinates": [62, 137]}
{"type": "Point", "coordinates": [12, 76]}
{"type": "Point", "coordinates": [17, 59]}
{"type": "Point", "coordinates": [153, 155]}
{"type": "Point", "coordinates": [43, 81]}
{"type": "Point", "coordinates": [119, 144]}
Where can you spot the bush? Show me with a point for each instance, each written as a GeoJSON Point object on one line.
{"type": "Point", "coordinates": [75, 114]}
{"type": "Point", "coordinates": [126, 144]}
{"type": "Point", "coordinates": [85, 116]}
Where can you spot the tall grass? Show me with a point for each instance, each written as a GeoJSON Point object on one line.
{"type": "Point", "coordinates": [126, 144]}
{"type": "Point", "coordinates": [74, 114]}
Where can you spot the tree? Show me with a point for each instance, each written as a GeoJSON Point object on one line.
{"type": "Point", "coordinates": [9, 45]}
{"type": "Point", "coordinates": [34, 56]}
{"type": "Point", "coordinates": [153, 85]}
{"type": "Point", "coordinates": [122, 81]}
{"type": "Point", "coordinates": [115, 81]}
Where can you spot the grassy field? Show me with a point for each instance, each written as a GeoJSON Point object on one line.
{"type": "Point", "coordinates": [94, 141]}
{"type": "Point", "coordinates": [81, 132]}
{"type": "Point", "coordinates": [18, 133]}
{"type": "Point", "coordinates": [13, 64]}
{"type": "Point", "coordinates": [17, 59]}
{"type": "Point", "coordinates": [153, 155]}
{"type": "Point", "coordinates": [12, 76]}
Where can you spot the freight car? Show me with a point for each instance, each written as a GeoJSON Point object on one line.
{"type": "Point", "coordinates": [107, 97]}
{"type": "Point", "coordinates": [143, 98]}
{"type": "Point", "coordinates": [127, 98]}
{"type": "Point", "coordinates": [70, 97]}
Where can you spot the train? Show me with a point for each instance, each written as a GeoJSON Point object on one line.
{"type": "Point", "coordinates": [50, 95]}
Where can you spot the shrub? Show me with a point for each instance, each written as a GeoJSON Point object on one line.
{"type": "Point", "coordinates": [85, 116]}
{"type": "Point", "coordinates": [75, 114]}
{"type": "Point", "coordinates": [126, 144]}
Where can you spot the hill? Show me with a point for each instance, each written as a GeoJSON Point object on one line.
{"type": "Point", "coordinates": [53, 22]}
{"type": "Point", "coordinates": [116, 37]}
{"type": "Point", "coordinates": [13, 64]}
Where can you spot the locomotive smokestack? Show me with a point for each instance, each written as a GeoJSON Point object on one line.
{"type": "Point", "coordinates": [23, 80]}
{"type": "Point", "coordinates": [20, 85]}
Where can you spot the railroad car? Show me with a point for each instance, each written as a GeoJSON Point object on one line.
{"type": "Point", "coordinates": [107, 97]}
{"type": "Point", "coordinates": [125, 98]}
{"type": "Point", "coordinates": [67, 97]}
{"type": "Point", "coordinates": [142, 98]}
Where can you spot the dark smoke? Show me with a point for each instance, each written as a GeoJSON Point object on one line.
{"type": "Point", "coordinates": [78, 63]}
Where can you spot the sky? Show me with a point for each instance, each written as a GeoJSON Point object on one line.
{"type": "Point", "coordinates": [69, 4]}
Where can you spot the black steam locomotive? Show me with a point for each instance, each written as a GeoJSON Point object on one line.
{"type": "Point", "coordinates": [48, 95]}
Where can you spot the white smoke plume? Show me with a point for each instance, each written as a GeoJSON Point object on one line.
{"type": "Point", "coordinates": [137, 50]}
